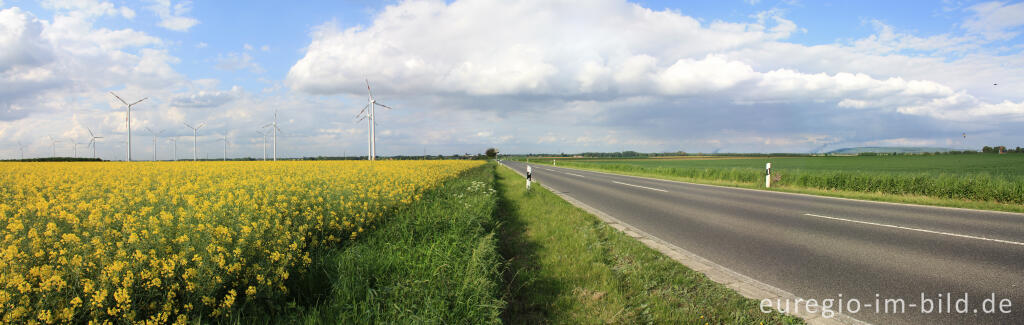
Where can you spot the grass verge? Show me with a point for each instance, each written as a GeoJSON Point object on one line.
{"type": "Point", "coordinates": [759, 185]}
{"type": "Point", "coordinates": [567, 266]}
{"type": "Point", "coordinates": [435, 261]}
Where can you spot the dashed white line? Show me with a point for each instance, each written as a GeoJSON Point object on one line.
{"type": "Point", "coordinates": [645, 187]}
{"type": "Point", "coordinates": [919, 230]}
{"type": "Point", "coordinates": [577, 175]}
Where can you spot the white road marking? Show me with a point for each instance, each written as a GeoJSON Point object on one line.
{"type": "Point", "coordinates": [920, 230]}
{"type": "Point", "coordinates": [577, 175]}
{"type": "Point", "coordinates": [649, 188]}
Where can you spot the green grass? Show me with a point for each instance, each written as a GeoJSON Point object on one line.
{"type": "Point", "coordinates": [567, 266]}
{"type": "Point", "coordinates": [991, 164]}
{"type": "Point", "coordinates": [984, 181]}
{"type": "Point", "coordinates": [435, 261]}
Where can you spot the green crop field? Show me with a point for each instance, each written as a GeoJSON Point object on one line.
{"type": "Point", "coordinates": [1007, 165]}
{"type": "Point", "coordinates": [971, 177]}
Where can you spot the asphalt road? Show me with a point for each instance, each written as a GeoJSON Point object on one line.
{"type": "Point", "coordinates": [820, 247]}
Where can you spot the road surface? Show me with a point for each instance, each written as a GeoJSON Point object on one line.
{"type": "Point", "coordinates": [820, 247]}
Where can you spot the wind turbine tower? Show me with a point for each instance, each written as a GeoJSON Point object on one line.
{"type": "Point", "coordinates": [92, 142]}
{"type": "Point", "coordinates": [225, 147]}
{"type": "Point", "coordinates": [175, 142]}
{"type": "Point", "coordinates": [195, 135]}
{"type": "Point", "coordinates": [76, 148]}
{"type": "Point", "coordinates": [371, 120]}
{"type": "Point", "coordinates": [264, 134]}
{"type": "Point", "coordinates": [128, 119]}
{"type": "Point", "coordinates": [53, 145]}
{"type": "Point", "coordinates": [275, 129]}
{"type": "Point", "coordinates": [155, 136]}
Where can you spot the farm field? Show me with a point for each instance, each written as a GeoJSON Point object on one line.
{"type": "Point", "coordinates": [1006, 165]}
{"type": "Point", "coordinates": [989, 178]}
{"type": "Point", "coordinates": [174, 242]}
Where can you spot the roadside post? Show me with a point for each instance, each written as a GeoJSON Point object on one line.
{"type": "Point", "coordinates": [529, 176]}
{"type": "Point", "coordinates": [768, 175]}
{"type": "Point", "coordinates": [554, 163]}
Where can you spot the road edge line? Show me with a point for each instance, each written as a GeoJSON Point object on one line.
{"type": "Point", "coordinates": [742, 284]}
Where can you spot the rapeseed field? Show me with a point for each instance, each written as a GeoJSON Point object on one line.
{"type": "Point", "coordinates": [165, 242]}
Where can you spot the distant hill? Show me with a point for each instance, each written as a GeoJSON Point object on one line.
{"type": "Point", "coordinates": [857, 150]}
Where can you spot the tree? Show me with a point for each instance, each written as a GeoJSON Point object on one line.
{"type": "Point", "coordinates": [986, 149]}
{"type": "Point", "coordinates": [491, 153]}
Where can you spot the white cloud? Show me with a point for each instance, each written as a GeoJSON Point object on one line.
{"type": "Point", "coordinates": [172, 16]}
{"type": "Point", "coordinates": [21, 39]}
{"type": "Point", "coordinates": [537, 59]}
{"type": "Point", "coordinates": [533, 47]}
{"type": "Point", "coordinates": [579, 63]}
{"type": "Point", "coordinates": [207, 98]}
{"type": "Point", "coordinates": [995, 20]}
{"type": "Point", "coordinates": [238, 61]}
{"type": "Point", "coordinates": [89, 8]}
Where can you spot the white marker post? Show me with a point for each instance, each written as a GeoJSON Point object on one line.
{"type": "Point", "coordinates": [529, 176]}
{"type": "Point", "coordinates": [768, 175]}
{"type": "Point", "coordinates": [553, 163]}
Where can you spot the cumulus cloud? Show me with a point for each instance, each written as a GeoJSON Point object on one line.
{"type": "Point", "coordinates": [534, 47]}
{"type": "Point", "coordinates": [21, 39]}
{"type": "Point", "coordinates": [89, 8]}
{"type": "Point", "coordinates": [207, 98]}
{"type": "Point", "coordinates": [238, 61]}
{"type": "Point", "coordinates": [172, 15]}
{"type": "Point", "coordinates": [577, 55]}
{"type": "Point", "coordinates": [995, 20]}
{"type": "Point", "coordinates": [553, 57]}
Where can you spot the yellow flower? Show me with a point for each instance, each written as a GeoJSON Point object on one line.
{"type": "Point", "coordinates": [158, 235]}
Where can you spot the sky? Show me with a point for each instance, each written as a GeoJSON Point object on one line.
{"type": "Point", "coordinates": [521, 76]}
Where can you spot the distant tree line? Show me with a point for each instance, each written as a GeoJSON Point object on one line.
{"type": "Point", "coordinates": [54, 159]}
{"type": "Point", "coordinates": [1001, 149]}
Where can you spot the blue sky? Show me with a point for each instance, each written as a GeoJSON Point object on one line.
{"type": "Point", "coordinates": [741, 76]}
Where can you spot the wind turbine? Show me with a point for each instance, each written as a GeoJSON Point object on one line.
{"type": "Point", "coordinates": [53, 145]}
{"type": "Point", "coordinates": [195, 135]}
{"type": "Point", "coordinates": [225, 147]}
{"type": "Point", "coordinates": [275, 129]}
{"type": "Point", "coordinates": [128, 118]}
{"type": "Point", "coordinates": [370, 117]}
{"type": "Point", "coordinates": [21, 148]}
{"type": "Point", "coordinates": [92, 142]}
{"type": "Point", "coordinates": [264, 134]}
{"type": "Point", "coordinates": [175, 141]}
{"type": "Point", "coordinates": [155, 135]}
{"type": "Point", "coordinates": [76, 147]}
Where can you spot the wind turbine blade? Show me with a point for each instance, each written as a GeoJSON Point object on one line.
{"type": "Point", "coordinates": [368, 91]}
{"type": "Point", "coordinates": [189, 126]}
{"type": "Point", "coordinates": [361, 119]}
{"type": "Point", "coordinates": [201, 125]}
{"type": "Point", "coordinates": [148, 129]}
{"type": "Point", "coordinates": [268, 125]}
{"type": "Point", "coordinates": [140, 100]}
{"type": "Point", "coordinates": [119, 98]}
{"type": "Point", "coordinates": [364, 110]}
{"type": "Point", "coordinates": [90, 132]}
{"type": "Point", "coordinates": [382, 105]}
{"type": "Point", "coordinates": [97, 137]}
